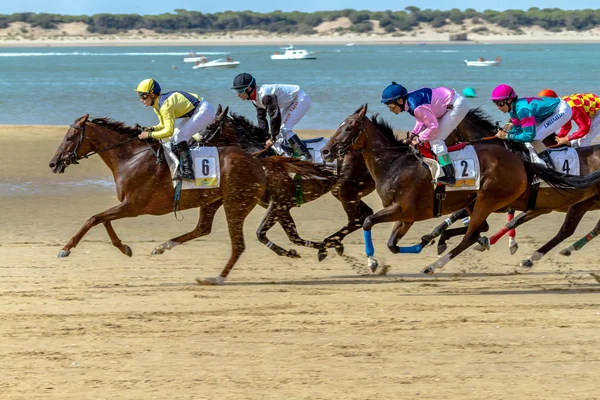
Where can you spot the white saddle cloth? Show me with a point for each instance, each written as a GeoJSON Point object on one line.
{"type": "Point", "coordinates": [207, 169]}
{"type": "Point", "coordinates": [466, 169]}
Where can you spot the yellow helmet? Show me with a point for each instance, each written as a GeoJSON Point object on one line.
{"type": "Point", "coordinates": [148, 86]}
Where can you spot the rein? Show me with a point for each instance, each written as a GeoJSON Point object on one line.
{"type": "Point", "coordinates": [73, 158]}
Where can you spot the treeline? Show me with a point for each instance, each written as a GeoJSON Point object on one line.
{"type": "Point", "coordinates": [552, 19]}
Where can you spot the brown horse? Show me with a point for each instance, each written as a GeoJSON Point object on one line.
{"type": "Point", "coordinates": [144, 184]}
{"type": "Point", "coordinates": [353, 182]}
{"type": "Point", "coordinates": [575, 203]}
{"type": "Point", "coordinates": [405, 188]}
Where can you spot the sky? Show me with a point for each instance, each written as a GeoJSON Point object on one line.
{"type": "Point", "coordinates": [87, 7]}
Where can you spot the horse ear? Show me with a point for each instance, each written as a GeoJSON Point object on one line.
{"type": "Point", "coordinates": [219, 109]}
{"type": "Point", "coordinates": [226, 110]}
{"type": "Point", "coordinates": [84, 119]}
{"type": "Point", "coordinates": [363, 111]}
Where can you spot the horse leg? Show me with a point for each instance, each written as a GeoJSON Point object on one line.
{"type": "Point", "coordinates": [574, 215]}
{"type": "Point", "coordinates": [236, 211]}
{"type": "Point", "coordinates": [116, 241]}
{"type": "Point", "coordinates": [271, 217]}
{"type": "Point", "coordinates": [392, 213]}
{"type": "Point", "coordinates": [203, 228]}
{"type": "Point", "coordinates": [484, 206]}
{"type": "Point", "coordinates": [356, 211]}
{"type": "Point", "coordinates": [516, 221]}
{"type": "Point", "coordinates": [121, 211]}
{"type": "Point", "coordinates": [289, 227]}
{"type": "Point", "coordinates": [441, 228]}
{"type": "Point", "coordinates": [513, 246]}
{"type": "Point", "coordinates": [583, 241]}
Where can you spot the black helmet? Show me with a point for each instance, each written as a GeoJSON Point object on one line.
{"type": "Point", "coordinates": [243, 81]}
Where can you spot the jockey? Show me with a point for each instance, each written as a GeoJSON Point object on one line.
{"type": "Point", "coordinates": [438, 112]}
{"type": "Point", "coordinates": [585, 108]}
{"type": "Point", "coordinates": [285, 105]}
{"type": "Point", "coordinates": [195, 112]}
{"type": "Point", "coordinates": [532, 118]}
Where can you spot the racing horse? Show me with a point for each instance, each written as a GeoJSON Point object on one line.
{"type": "Point", "coordinates": [353, 182]}
{"type": "Point", "coordinates": [405, 188]}
{"type": "Point", "coordinates": [144, 184]}
{"type": "Point", "coordinates": [478, 127]}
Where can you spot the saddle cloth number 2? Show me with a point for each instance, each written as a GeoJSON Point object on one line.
{"type": "Point", "coordinates": [465, 172]}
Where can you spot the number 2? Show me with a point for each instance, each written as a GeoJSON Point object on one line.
{"type": "Point", "coordinates": [465, 166]}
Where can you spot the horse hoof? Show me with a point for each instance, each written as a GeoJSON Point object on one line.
{"type": "Point", "coordinates": [339, 249]}
{"type": "Point", "coordinates": [322, 255]}
{"type": "Point", "coordinates": [441, 248]}
{"type": "Point", "coordinates": [428, 238]}
{"type": "Point", "coordinates": [430, 243]}
{"type": "Point", "coordinates": [128, 251]}
{"type": "Point", "coordinates": [219, 280]}
{"type": "Point", "coordinates": [64, 253]}
{"type": "Point", "coordinates": [565, 252]}
{"type": "Point", "coordinates": [527, 263]}
{"type": "Point", "coordinates": [428, 271]}
{"type": "Point", "coordinates": [479, 247]}
{"type": "Point", "coordinates": [513, 249]}
{"type": "Point", "coordinates": [292, 254]}
{"type": "Point", "coordinates": [484, 243]}
{"type": "Point", "coordinates": [372, 264]}
{"type": "Point", "coordinates": [158, 250]}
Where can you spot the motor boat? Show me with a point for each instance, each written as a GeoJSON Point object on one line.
{"type": "Point", "coordinates": [490, 63]}
{"type": "Point", "coordinates": [219, 63]}
{"type": "Point", "coordinates": [292, 53]}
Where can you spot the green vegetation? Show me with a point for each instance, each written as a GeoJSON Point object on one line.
{"type": "Point", "coordinates": [551, 19]}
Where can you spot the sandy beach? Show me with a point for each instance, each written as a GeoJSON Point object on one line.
{"type": "Point", "coordinates": [20, 34]}
{"type": "Point", "coordinates": [101, 325]}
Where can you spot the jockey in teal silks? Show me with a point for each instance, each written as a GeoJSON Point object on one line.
{"type": "Point", "coordinates": [532, 118]}
{"type": "Point", "coordinates": [438, 112]}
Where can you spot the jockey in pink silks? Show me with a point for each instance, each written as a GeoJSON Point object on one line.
{"type": "Point", "coordinates": [438, 112]}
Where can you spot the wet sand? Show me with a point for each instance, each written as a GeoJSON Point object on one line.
{"type": "Point", "coordinates": [100, 325]}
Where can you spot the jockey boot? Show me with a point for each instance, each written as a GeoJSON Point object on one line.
{"type": "Point", "coordinates": [448, 168]}
{"type": "Point", "coordinates": [545, 156]}
{"type": "Point", "coordinates": [299, 148]}
{"type": "Point", "coordinates": [185, 160]}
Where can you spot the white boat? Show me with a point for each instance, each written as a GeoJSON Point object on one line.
{"type": "Point", "coordinates": [491, 63]}
{"type": "Point", "coordinates": [219, 63]}
{"type": "Point", "coordinates": [292, 53]}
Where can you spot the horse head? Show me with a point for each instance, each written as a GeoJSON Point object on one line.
{"type": "Point", "coordinates": [218, 132]}
{"type": "Point", "coordinates": [73, 146]}
{"type": "Point", "coordinates": [346, 136]}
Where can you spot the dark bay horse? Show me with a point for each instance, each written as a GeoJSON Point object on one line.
{"type": "Point", "coordinates": [405, 187]}
{"type": "Point", "coordinates": [144, 185]}
{"type": "Point", "coordinates": [477, 126]}
{"type": "Point", "coordinates": [352, 182]}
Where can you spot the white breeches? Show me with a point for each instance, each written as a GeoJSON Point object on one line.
{"type": "Point", "coordinates": [294, 113]}
{"type": "Point", "coordinates": [448, 122]}
{"type": "Point", "coordinates": [186, 127]}
{"type": "Point", "coordinates": [562, 115]}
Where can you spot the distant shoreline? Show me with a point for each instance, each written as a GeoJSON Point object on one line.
{"type": "Point", "coordinates": [257, 40]}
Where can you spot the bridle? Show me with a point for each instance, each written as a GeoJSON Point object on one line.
{"type": "Point", "coordinates": [345, 147]}
{"type": "Point", "coordinates": [73, 158]}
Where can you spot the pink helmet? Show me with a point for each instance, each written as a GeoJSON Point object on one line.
{"type": "Point", "coordinates": [503, 92]}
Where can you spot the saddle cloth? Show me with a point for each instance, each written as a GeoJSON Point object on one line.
{"type": "Point", "coordinates": [207, 169]}
{"type": "Point", "coordinates": [565, 160]}
{"type": "Point", "coordinates": [314, 148]}
{"type": "Point", "coordinates": [466, 169]}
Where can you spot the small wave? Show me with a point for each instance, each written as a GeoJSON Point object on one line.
{"type": "Point", "coordinates": [76, 53]}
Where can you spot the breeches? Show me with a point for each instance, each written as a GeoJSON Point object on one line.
{"type": "Point", "coordinates": [186, 127]}
{"type": "Point", "coordinates": [294, 113]}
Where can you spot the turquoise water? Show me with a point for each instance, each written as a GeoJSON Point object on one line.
{"type": "Point", "coordinates": [56, 85]}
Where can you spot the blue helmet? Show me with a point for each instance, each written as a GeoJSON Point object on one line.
{"type": "Point", "coordinates": [393, 92]}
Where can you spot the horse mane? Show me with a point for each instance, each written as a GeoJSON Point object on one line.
{"type": "Point", "coordinates": [250, 131]}
{"type": "Point", "coordinates": [481, 118]}
{"type": "Point", "coordinates": [116, 126]}
{"type": "Point", "coordinates": [386, 129]}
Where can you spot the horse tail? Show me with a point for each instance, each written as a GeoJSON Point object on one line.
{"type": "Point", "coordinates": [279, 166]}
{"type": "Point", "coordinates": [562, 181]}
